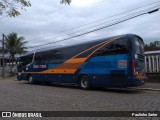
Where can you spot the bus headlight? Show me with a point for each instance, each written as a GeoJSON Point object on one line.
{"type": "Point", "coordinates": [19, 73]}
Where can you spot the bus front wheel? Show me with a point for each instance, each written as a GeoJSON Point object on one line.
{"type": "Point", "coordinates": [30, 79]}
{"type": "Point", "coordinates": [84, 82]}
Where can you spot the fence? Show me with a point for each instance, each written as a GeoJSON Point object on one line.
{"type": "Point", "coordinates": [9, 70]}
{"type": "Point", "coordinates": [152, 65]}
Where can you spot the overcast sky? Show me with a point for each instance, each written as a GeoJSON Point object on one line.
{"type": "Point", "coordinates": [45, 20]}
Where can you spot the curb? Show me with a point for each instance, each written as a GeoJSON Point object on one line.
{"type": "Point", "coordinates": [151, 89]}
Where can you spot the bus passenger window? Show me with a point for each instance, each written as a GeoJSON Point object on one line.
{"type": "Point", "coordinates": [119, 46]}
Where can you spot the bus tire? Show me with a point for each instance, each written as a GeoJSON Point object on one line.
{"type": "Point", "coordinates": [84, 82]}
{"type": "Point", "coordinates": [30, 79]}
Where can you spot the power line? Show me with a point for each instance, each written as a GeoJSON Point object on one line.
{"type": "Point", "coordinates": [61, 45]}
{"type": "Point", "coordinates": [97, 28]}
{"type": "Point", "coordinates": [96, 21]}
{"type": "Point", "coordinates": [91, 30]}
{"type": "Point", "coordinates": [63, 30]}
{"type": "Point", "coordinates": [103, 23]}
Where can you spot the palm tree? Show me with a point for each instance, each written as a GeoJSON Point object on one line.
{"type": "Point", "coordinates": [14, 45]}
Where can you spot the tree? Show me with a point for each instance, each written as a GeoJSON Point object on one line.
{"type": "Point", "coordinates": [152, 46]}
{"type": "Point", "coordinates": [66, 1]}
{"type": "Point", "coordinates": [14, 45]}
{"type": "Point", "coordinates": [11, 7]}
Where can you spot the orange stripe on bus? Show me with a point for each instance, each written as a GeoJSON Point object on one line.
{"type": "Point", "coordinates": [64, 68]}
{"type": "Point", "coordinates": [75, 60]}
{"type": "Point", "coordinates": [101, 47]}
{"type": "Point", "coordinates": [90, 48]}
{"type": "Point", "coordinates": [70, 66]}
{"type": "Point", "coordinates": [62, 71]}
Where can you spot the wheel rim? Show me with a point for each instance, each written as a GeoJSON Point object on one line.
{"type": "Point", "coordinates": [84, 82]}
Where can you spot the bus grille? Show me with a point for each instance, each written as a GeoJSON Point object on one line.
{"type": "Point", "coordinates": [117, 77]}
{"type": "Point", "coordinates": [140, 57]}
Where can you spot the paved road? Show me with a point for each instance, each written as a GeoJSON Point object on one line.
{"type": "Point", "coordinates": [20, 96]}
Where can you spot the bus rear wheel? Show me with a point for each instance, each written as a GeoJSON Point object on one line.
{"type": "Point", "coordinates": [84, 82]}
{"type": "Point", "coordinates": [30, 79]}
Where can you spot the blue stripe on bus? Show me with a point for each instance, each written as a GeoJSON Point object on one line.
{"type": "Point", "coordinates": [103, 64]}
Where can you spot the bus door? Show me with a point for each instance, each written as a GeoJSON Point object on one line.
{"type": "Point", "coordinates": [118, 75]}
{"type": "Point", "coordinates": [121, 54]}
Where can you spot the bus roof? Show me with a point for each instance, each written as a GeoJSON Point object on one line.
{"type": "Point", "coordinates": [59, 47]}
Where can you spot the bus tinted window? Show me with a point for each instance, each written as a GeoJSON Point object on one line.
{"type": "Point", "coordinates": [139, 46]}
{"type": "Point", "coordinates": [119, 46]}
{"type": "Point", "coordinates": [26, 60]}
{"type": "Point", "coordinates": [48, 57]}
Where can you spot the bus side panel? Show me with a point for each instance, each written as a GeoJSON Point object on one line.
{"type": "Point", "coordinates": [99, 69]}
{"type": "Point", "coordinates": [51, 78]}
{"type": "Point", "coordinates": [119, 75]}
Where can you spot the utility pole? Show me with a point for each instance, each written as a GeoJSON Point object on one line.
{"type": "Point", "coordinates": [2, 55]}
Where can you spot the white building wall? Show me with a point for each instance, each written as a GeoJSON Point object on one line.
{"type": "Point", "coordinates": [152, 61]}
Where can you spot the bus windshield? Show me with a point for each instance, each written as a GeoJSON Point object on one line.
{"type": "Point", "coordinates": [24, 61]}
{"type": "Point", "coordinates": [139, 55]}
{"type": "Point", "coordinates": [139, 46]}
